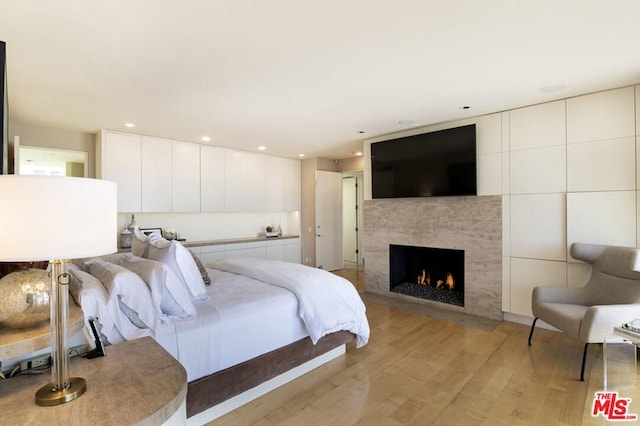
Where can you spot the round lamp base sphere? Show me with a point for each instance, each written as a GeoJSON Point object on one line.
{"type": "Point", "coordinates": [25, 298]}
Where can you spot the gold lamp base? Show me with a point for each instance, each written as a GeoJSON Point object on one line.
{"type": "Point", "coordinates": [48, 395]}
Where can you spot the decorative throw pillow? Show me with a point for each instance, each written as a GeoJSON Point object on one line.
{"type": "Point", "coordinates": [90, 294]}
{"type": "Point", "coordinates": [128, 293]}
{"type": "Point", "coordinates": [169, 295]}
{"type": "Point", "coordinates": [203, 271]}
{"type": "Point", "coordinates": [139, 243]}
{"type": "Point", "coordinates": [176, 256]}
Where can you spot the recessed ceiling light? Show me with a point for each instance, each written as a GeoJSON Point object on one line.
{"type": "Point", "coordinates": [465, 107]}
{"type": "Point", "coordinates": [553, 88]}
{"type": "Point", "coordinates": [205, 139]}
{"type": "Point", "coordinates": [358, 153]}
{"type": "Point", "coordinates": [262, 148]}
{"type": "Point", "coordinates": [409, 122]}
{"type": "Point", "coordinates": [301, 155]}
{"type": "Point", "coordinates": [129, 125]}
{"type": "Point", "coordinates": [360, 131]}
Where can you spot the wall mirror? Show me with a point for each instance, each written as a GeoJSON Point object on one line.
{"type": "Point", "coordinates": [33, 160]}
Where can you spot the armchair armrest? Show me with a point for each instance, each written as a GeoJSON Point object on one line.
{"type": "Point", "coordinates": [574, 296]}
{"type": "Point", "coordinates": [599, 320]}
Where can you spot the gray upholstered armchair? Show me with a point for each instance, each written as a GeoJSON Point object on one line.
{"type": "Point", "coordinates": [610, 298]}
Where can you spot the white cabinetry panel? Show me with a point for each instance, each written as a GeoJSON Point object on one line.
{"type": "Point", "coordinates": [235, 196]}
{"type": "Point", "coordinates": [256, 183]}
{"type": "Point", "coordinates": [157, 175]}
{"type": "Point", "coordinates": [527, 274]}
{"type": "Point", "coordinates": [292, 185]}
{"type": "Point", "coordinates": [274, 183]}
{"type": "Point", "coordinates": [602, 218]}
{"type": "Point", "coordinates": [540, 170]}
{"type": "Point", "coordinates": [287, 250]}
{"type": "Point", "coordinates": [121, 164]}
{"type": "Point", "coordinates": [212, 179]}
{"type": "Point", "coordinates": [489, 174]}
{"type": "Point", "coordinates": [506, 284]}
{"type": "Point", "coordinates": [538, 226]}
{"type": "Point", "coordinates": [209, 254]}
{"type": "Point", "coordinates": [603, 115]}
{"type": "Point", "coordinates": [607, 165]}
{"type": "Point", "coordinates": [186, 177]}
{"type": "Point", "coordinates": [538, 126]}
{"type": "Point", "coordinates": [255, 250]}
{"type": "Point", "coordinates": [489, 134]}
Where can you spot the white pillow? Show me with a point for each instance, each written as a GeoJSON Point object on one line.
{"type": "Point", "coordinates": [169, 295]}
{"type": "Point", "coordinates": [128, 289]}
{"type": "Point", "coordinates": [90, 294]}
{"type": "Point", "coordinates": [178, 257]}
{"type": "Point", "coordinates": [139, 243]}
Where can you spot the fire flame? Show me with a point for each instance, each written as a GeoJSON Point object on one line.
{"type": "Point", "coordinates": [450, 281]}
{"type": "Point", "coordinates": [424, 278]}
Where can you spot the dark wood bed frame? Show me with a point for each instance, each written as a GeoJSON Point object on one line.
{"type": "Point", "coordinates": [209, 391]}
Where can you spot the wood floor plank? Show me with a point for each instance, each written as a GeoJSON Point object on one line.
{"type": "Point", "coordinates": [419, 370]}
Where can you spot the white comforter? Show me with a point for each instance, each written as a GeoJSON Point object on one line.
{"type": "Point", "coordinates": [327, 302]}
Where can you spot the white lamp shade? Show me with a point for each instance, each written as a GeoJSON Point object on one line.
{"type": "Point", "coordinates": [50, 217]}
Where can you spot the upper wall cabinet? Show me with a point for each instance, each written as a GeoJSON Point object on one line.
{"type": "Point", "coordinates": [245, 181]}
{"type": "Point", "coordinates": [157, 175]}
{"type": "Point", "coordinates": [292, 188]}
{"type": "Point", "coordinates": [186, 177]}
{"type": "Point", "coordinates": [212, 182]}
{"type": "Point", "coordinates": [161, 175]}
{"type": "Point", "coordinates": [120, 162]}
{"type": "Point", "coordinates": [283, 184]}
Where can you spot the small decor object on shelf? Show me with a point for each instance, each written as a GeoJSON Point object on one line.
{"type": "Point", "coordinates": [25, 298]}
{"type": "Point", "coordinates": [125, 238]}
{"type": "Point", "coordinates": [170, 234]}
{"type": "Point", "coordinates": [133, 224]}
{"type": "Point", "coordinates": [270, 233]}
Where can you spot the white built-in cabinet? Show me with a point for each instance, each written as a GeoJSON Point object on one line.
{"type": "Point", "coordinates": [212, 178]}
{"type": "Point", "coordinates": [572, 178]}
{"type": "Point", "coordinates": [120, 162]}
{"type": "Point", "coordinates": [287, 249]}
{"type": "Point", "coordinates": [186, 177]}
{"type": "Point", "coordinates": [157, 175]}
{"type": "Point", "coordinates": [161, 175]}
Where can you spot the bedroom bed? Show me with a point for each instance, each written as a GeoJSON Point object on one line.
{"type": "Point", "coordinates": [257, 325]}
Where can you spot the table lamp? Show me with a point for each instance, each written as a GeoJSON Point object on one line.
{"type": "Point", "coordinates": [56, 219]}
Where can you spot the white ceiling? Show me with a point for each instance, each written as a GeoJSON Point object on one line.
{"type": "Point", "coordinates": [298, 76]}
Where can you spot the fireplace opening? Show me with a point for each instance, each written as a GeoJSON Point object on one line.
{"type": "Point", "coordinates": [428, 273]}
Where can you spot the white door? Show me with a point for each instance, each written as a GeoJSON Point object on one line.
{"type": "Point", "coordinates": [328, 220]}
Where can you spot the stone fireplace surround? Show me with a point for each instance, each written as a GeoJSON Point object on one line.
{"type": "Point", "coordinates": [472, 224]}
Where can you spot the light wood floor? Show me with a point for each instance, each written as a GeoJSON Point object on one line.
{"type": "Point", "coordinates": [419, 370]}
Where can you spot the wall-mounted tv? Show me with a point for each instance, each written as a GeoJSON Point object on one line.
{"type": "Point", "coordinates": [435, 164]}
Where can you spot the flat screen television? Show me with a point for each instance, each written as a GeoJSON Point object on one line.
{"type": "Point", "coordinates": [434, 164]}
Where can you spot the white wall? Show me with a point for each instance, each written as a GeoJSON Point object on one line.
{"type": "Point", "coordinates": [568, 172]}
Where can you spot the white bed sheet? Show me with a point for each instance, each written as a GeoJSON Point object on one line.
{"type": "Point", "coordinates": [242, 319]}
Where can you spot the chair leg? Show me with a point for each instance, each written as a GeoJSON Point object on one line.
{"type": "Point", "coordinates": [532, 327]}
{"type": "Point", "coordinates": [584, 361]}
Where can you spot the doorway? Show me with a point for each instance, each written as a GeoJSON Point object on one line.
{"type": "Point", "coordinates": [32, 160]}
{"type": "Point", "coordinates": [352, 201]}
